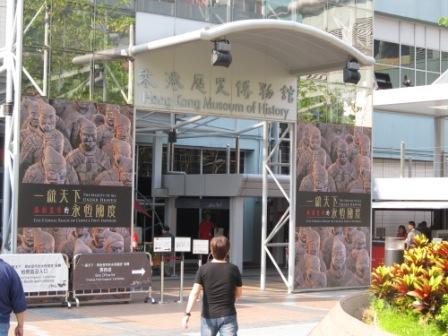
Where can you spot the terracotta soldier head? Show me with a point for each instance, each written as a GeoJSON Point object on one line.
{"type": "Point", "coordinates": [98, 237]}
{"type": "Point", "coordinates": [342, 155]}
{"type": "Point", "coordinates": [114, 243]}
{"type": "Point", "coordinates": [362, 265]}
{"type": "Point", "coordinates": [315, 138]}
{"type": "Point", "coordinates": [320, 177]}
{"type": "Point", "coordinates": [364, 145]}
{"type": "Point", "coordinates": [31, 106]}
{"type": "Point", "coordinates": [44, 242]}
{"type": "Point", "coordinates": [338, 257]}
{"type": "Point", "coordinates": [55, 167]}
{"type": "Point", "coordinates": [312, 242]}
{"type": "Point", "coordinates": [47, 117]}
{"type": "Point", "coordinates": [122, 126]}
{"type": "Point", "coordinates": [312, 273]}
{"type": "Point", "coordinates": [125, 171]}
{"type": "Point", "coordinates": [88, 135]}
{"type": "Point", "coordinates": [111, 112]}
{"type": "Point", "coordinates": [98, 119]}
{"type": "Point", "coordinates": [28, 237]}
{"type": "Point", "coordinates": [120, 149]}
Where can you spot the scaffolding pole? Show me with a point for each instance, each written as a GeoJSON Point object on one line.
{"type": "Point", "coordinates": [289, 216]}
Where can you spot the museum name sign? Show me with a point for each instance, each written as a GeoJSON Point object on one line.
{"type": "Point", "coordinates": [252, 87]}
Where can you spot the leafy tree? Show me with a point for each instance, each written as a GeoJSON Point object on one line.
{"type": "Point", "coordinates": [76, 28]}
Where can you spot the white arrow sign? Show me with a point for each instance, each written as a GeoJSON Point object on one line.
{"type": "Point", "coordinates": [140, 271]}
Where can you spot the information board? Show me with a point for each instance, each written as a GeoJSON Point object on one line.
{"type": "Point", "coordinates": [182, 244]}
{"type": "Point", "coordinates": [200, 246]}
{"type": "Point", "coordinates": [162, 244]}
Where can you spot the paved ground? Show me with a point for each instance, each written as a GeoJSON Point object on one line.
{"type": "Point", "coordinates": [272, 312]}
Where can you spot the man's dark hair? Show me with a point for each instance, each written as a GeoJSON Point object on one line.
{"type": "Point", "coordinates": [412, 223]}
{"type": "Point", "coordinates": [166, 228]}
{"type": "Point", "coordinates": [220, 247]}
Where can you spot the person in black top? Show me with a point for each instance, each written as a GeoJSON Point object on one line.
{"type": "Point", "coordinates": [12, 298]}
{"type": "Point", "coordinates": [222, 285]}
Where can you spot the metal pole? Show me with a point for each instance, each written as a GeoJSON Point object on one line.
{"type": "Point", "coordinates": [16, 117]}
{"type": "Point", "coordinates": [200, 260]}
{"type": "Point", "coordinates": [238, 154]}
{"type": "Point", "coordinates": [131, 65]}
{"type": "Point", "coordinates": [292, 205]}
{"type": "Point", "coordinates": [264, 211]}
{"type": "Point", "coordinates": [46, 52]}
{"type": "Point", "coordinates": [181, 289]}
{"type": "Point", "coordinates": [162, 277]}
{"type": "Point", "coordinates": [227, 159]}
{"type": "Point", "coordinates": [9, 39]}
{"type": "Point", "coordinates": [402, 156]}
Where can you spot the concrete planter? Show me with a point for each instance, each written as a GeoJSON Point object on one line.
{"type": "Point", "coordinates": [345, 319]}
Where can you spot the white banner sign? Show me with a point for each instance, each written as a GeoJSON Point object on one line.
{"type": "Point", "coordinates": [200, 246]}
{"type": "Point", "coordinates": [255, 86]}
{"type": "Point", "coordinates": [182, 244]}
{"type": "Point", "coordinates": [40, 272]}
{"type": "Point", "coordinates": [162, 244]}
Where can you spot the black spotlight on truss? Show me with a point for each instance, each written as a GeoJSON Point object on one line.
{"type": "Point", "coordinates": [221, 55]}
{"type": "Point", "coordinates": [351, 72]}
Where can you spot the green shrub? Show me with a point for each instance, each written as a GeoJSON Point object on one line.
{"type": "Point", "coordinates": [416, 288]}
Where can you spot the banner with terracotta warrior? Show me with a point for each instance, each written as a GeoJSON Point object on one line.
{"type": "Point", "coordinates": [333, 206]}
{"type": "Point", "coordinates": [76, 173]}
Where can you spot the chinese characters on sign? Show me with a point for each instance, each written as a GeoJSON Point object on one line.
{"type": "Point", "coordinates": [253, 87]}
{"type": "Point", "coordinates": [344, 209]}
{"type": "Point", "coordinates": [60, 206]}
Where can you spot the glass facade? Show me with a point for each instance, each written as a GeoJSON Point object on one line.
{"type": "Point", "coordinates": [408, 65]}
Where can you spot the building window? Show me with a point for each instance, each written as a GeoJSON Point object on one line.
{"type": "Point", "coordinates": [407, 56]}
{"type": "Point", "coordinates": [386, 52]}
{"type": "Point", "coordinates": [433, 60]}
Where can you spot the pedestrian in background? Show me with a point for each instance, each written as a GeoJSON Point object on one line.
{"type": "Point", "coordinates": [401, 232]}
{"type": "Point", "coordinates": [12, 298]}
{"type": "Point", "coordinates": [412, 232]}
{"type": "Point", "coordinates": [222, 285]}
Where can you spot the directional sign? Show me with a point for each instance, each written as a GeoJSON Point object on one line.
{"type": "Point", "coordinates": [111, 271]}
{"type": "Point", "coordinates": [182, 244]}
{"type": "Point", "coordinates": [200, 246]}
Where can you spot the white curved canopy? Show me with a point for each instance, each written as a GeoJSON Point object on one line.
{"type": "Point", "coordinates": [299, 47]}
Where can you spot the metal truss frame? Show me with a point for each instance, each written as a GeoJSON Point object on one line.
{"type": "Point", "coordinates": [269, 168]}
{"type": "Point", "coordinates": [12, 64]}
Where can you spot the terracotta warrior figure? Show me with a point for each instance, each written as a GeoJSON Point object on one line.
{"type": "Point", "coordinates": [337, 233]}
{"type": "Point", "coordinates": [114, 243]}
{"type": "Point", "coordinates": [121, 165]}
{"type": "Point", "coordinates": [359, 245]}
{"type": "Point", "coordinates": [81, 247]}
{"type": "Point", "coordinates": [313, 276]}
{"type": "Point", "coordinates": [51, 169]}
{"type": "Point", "coordinates": [361, 276]}
{"type": "Point", "coordinates": [313, 247]}
{"type": "Point", "coordinates": [27, 245]}
{"type": "Point", "coordinates": [314, 153]}
{"type": "Point", "coordinates": [317, 180]}
{"type": "Point", "coordinates": [97, 244]}
{"type": "Point", "coordinates": [342, 171]}
{"type": "Point", "coordinates": [362, 183]}
{"type": "Point", "coordinates": [338, 275]}
{"type": "Point", "coordinates": [106, 131]}
{"type": "Point", "coordinates": [88, 160]}
{"type": "Point", "coordinates": [122, 131]}
{"type": "Point", "coordinates": [44, 242]}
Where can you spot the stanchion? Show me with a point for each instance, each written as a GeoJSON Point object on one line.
{"type": "Point", "coordinates": [162, 277]}
{"type": "Point", "coordinates": [181, 289]}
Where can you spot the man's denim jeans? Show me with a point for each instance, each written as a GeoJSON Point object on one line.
{"type": "Point", "coordinates": [4, 327]}
{"type": "Point", "coordinates": [226, 326]}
